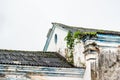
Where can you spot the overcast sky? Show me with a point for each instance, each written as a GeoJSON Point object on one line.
{"type": "Point", "coordinates": [24, 23]}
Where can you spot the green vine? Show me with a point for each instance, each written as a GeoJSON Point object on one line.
{"type": "Point", "coordinates": [76, 35]}
{"type": "Point", "coordinates": [82, 35]}
{"type": "Point", "coordinates": [70, 44]}
{"type": "Point", "coordinates": [70, 40]}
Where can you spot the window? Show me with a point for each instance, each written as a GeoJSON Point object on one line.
{"type": "Point", "coordinates": [55, 38]}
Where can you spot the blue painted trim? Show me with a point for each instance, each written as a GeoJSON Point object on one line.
{"type": "Point", "coordinates": [47, 71]}
{"type": "Point", "coordinates": [48, 39]}
{"type": "Point", "coordinates": [108, 38]}
{"type": "Point", "coordinates": [112, 40]}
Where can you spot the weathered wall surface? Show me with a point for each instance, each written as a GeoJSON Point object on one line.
{"type": "Point", "coordinates": [60, 44]}
{"type": "Point", "coordinates": [108, 65]}
{"type": "Point", "coordinates": [79, 58]}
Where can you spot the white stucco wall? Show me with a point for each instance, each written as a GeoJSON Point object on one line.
{"type": "Point", "coordinates": [79, 58]}
{"type": "Point", "coordinates": [61, 43]}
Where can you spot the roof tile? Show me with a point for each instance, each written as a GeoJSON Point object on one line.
{"type": "Point", "coordinates": [33, 58]}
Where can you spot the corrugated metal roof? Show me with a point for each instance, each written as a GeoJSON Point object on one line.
{"type": "Point", "coordinates": [33, 58]}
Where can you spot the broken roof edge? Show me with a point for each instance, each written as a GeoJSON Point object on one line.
{"type": "Point", "coordinates": [86, 29]}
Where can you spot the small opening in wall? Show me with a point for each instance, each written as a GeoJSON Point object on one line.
{"type": "Point", "coordinates": [55, 38]}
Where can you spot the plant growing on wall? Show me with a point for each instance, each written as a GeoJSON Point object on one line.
{"type": "Point", "coordinates": [76, 35]}
{"type": "Point", "coordinates": [82, 35]}
{"type": "Point", "coordinates": [70, 40]}
{"type": "Point", "coordinates": [90, 34]}
{"type": "Point", "coordinates": [70, 44]}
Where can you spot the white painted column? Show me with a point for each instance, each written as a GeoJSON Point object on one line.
{"type": "Point", "coordinates": [87, 75]}
{"type": "Point", "coordinates": [91, 55]}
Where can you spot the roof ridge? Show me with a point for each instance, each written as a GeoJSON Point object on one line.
{"type": "Point", "coordinates": [11, 50]}
{"type": "Point", "coordinates": [85, 29]}
{"type": "Point", "coordinates": [65, 25]}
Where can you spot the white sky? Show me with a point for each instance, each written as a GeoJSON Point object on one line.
{"type": "Point", "coordinates": [24, 23]}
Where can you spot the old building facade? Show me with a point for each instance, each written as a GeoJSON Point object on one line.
{"type": "Point", "coordinates": [86, 52]}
